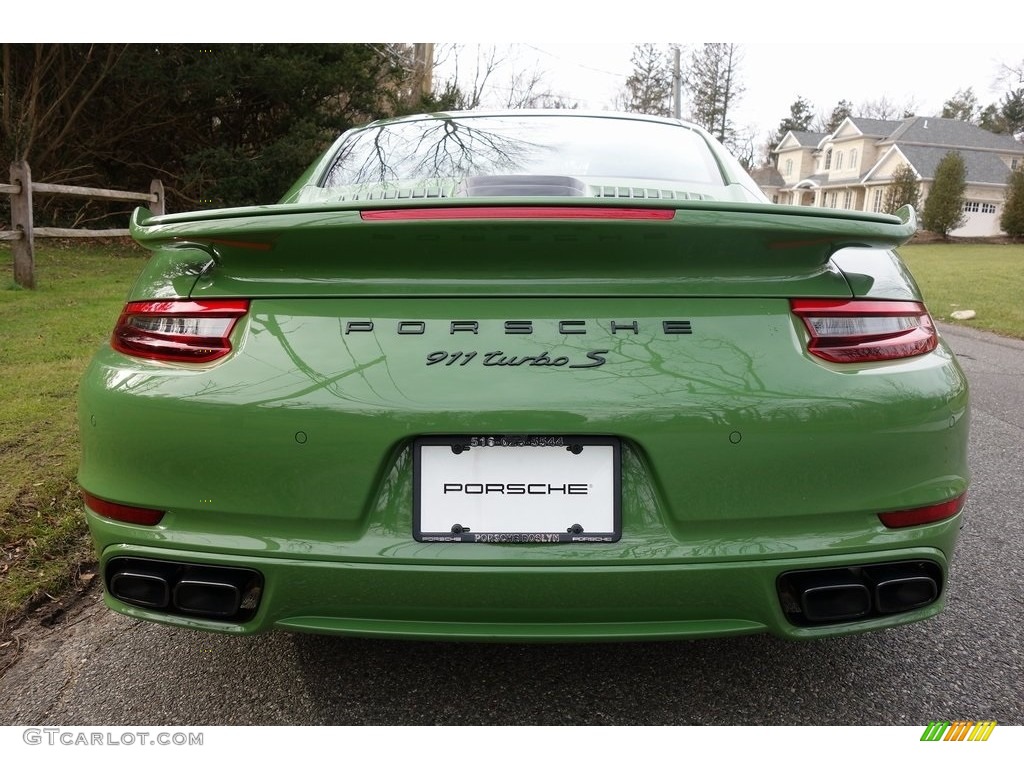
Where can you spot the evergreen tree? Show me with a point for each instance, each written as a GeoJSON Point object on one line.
{"type": "Point", "coordinates": [944, 208]}
{"type": "Point", "coordinates": [991, 119]}
{"type": "Point", "coordinates": [229, 124]}
{"type": "Point", "coordinates": [1012, 112]}
{"type": "Point", "coordinates": [448, 98]}
{"type": "Point", "coordinates": [1007, 117]}
{"type": "Point", "coordinates": [962, 105]}
{"type": "Point", "coordinates": [904, 189]}
{"type": "Point", "coordinates": [649, 87]}
{"type": "Point", "coordinates": [1012, 218]}
{"type": "Point", "coordinates": [799, 119]}
{"type": "Point", "coordinates": [840, 112]}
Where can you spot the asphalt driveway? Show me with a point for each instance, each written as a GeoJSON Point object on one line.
{"type": "Point", "coordinates": [968, 663]}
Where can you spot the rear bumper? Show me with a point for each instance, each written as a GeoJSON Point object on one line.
{"type": "Point", "coordinates": [530, 603]}
{"type": "Point", "coordinates": [741, 459]}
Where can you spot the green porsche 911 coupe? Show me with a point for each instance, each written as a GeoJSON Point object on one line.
{"type": "Point", "coordinates": [525, 376]}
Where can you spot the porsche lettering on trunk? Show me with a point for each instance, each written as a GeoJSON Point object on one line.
{"type": "Point", "coordinates": [524, 327]}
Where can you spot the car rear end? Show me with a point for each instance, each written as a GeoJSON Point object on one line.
{"type": "Point", "coordinates": [508, 417]}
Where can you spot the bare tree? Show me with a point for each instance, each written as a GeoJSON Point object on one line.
{"type": "Point", "coordinates": [526, 90]}
{"type": "Point", "coordinates": [45, 88]}
{"type": "Point", "coordinates": [557, 101]}
{"type": "Point", "coordinates": [1011, 75]}
{"type": "Point", "coordinates": [744, 146]}
{"type": "Point", "coordinates": [485, 62]}
{"type": "Point", "coordinates": [884, 109]}
{"type": "Point", "coordinates": [489, 76]}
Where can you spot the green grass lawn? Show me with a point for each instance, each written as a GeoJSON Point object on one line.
{"type": "Point", "coordinates": [47, 337]}
{"type": "Point", "coordinates": [986, 278]}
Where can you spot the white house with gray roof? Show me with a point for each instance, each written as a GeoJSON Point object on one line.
{"type": "Point", "coordinates": [852, 167]}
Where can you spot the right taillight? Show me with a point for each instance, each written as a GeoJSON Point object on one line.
{"type": "Point", "coordinates": [933, 513]}
{"type": "Point", "coordinates": [181, 331]}
{"type": "Point", "coordinates": [864, 331]}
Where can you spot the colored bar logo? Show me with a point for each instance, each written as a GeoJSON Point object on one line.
{"type": "Point", "coordinates": [958, 730]}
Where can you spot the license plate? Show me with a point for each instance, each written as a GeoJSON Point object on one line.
{"type": "Point", "coordinates": [516, 489]}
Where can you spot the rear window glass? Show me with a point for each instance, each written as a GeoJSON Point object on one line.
{"type": "Point", "coordinates": [454, 148]}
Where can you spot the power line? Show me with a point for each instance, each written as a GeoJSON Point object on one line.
{"type": "Point", "coordinates": [574, 63]}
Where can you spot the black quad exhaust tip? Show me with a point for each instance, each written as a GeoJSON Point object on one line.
{"type": "Point", "coordinates": [203, 591]}
{"type": "Point", "coordinates": [836, 602]}
{"type": "Point", "coordinates": [149, 590]}
{"type": "Point", "coordinates": [208, 598]}
{"type": "Point", "coordinates": [896, 589]}
{"type": "Point", "coordinates": [833, 595]}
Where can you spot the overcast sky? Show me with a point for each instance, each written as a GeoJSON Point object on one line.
{"type": "Point", "coordinates": [909, 51]}
{"type": "Point", "coordinates": [919, 75]}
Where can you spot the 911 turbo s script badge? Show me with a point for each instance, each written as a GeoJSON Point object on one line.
{"type": "Point", "coordinates": [498, 357]}
{"type": "Point", "coordinates": [501, 358]}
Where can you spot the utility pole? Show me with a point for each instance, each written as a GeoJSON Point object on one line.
{"type": "Point", "coordinates": [423, 60]}
{"type": "Point", "coordinates": [677, 85]}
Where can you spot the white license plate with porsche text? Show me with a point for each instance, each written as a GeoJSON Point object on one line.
{"type": "Point", "coordinates": [516, 489]}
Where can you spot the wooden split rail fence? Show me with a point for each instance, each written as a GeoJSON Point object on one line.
{"type": "Point", "coordinates": [23, 234]}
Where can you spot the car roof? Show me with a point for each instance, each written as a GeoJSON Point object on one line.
{"type": "Point", "coordinates": [454, 114]}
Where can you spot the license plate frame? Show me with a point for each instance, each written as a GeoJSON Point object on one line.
{"type": "Point", "coordinates": [495, 489]}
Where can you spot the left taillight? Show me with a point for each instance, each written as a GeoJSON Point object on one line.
{"type": "Point", "coordinates": [864, 331]}
{"type": "Point", "coordinates": [123, 513]}
{"type": "Point", "coordinates": [180, 331]}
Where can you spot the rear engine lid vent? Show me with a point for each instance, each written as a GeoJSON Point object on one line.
{"type": "Point", "coordinates": [427, 191]}
{"type": "Point", "coordinates": [644, 193]}
{"type": "Point", "coordinates": [523, 185]}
